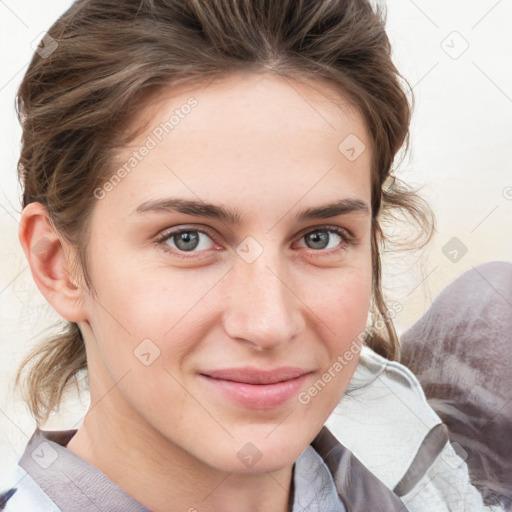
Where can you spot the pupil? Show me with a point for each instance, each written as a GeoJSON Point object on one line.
{"type": "Point", "coordinates": [186, 241]}
{"type": "Point", "coordinates": [319, 237]}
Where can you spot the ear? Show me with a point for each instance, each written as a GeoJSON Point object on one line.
{"type": "Point", "coordinates": [49, 258]}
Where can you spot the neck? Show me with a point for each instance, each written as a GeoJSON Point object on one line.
{"type": "Point", "coordinates": [162, 476]}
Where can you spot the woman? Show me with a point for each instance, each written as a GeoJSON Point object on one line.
{"type": "Point", "coordinates": [204, 183]}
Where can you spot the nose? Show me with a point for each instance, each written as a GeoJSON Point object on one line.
{"type": "Point", "coordinates": [263, 308]}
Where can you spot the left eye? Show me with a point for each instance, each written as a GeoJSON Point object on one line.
{"type": "Point", "coordinates": [321, 239]}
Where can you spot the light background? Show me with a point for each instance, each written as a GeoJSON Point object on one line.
{"type": "Point", "coordinates": [461, 155]}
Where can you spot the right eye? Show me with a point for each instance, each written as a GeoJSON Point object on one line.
{"type": "Point", "coordinates": [185, 240]}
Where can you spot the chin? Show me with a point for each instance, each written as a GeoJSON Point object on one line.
{"type": "Point", "coordinates": [268, 452]}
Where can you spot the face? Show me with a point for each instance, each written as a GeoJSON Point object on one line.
{"type": "Point", "coordinates": [228, 298]}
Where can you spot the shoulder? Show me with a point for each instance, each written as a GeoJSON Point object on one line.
{"type": "Point", "coordinates": [19, 493]}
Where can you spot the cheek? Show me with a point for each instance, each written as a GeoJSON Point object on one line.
{"type": "Point", "coordinates": [343, 312]}
{"type": "Point", "coordinates": [349, 313]}
{"type": "Point", "coordinates": [342, 300]}
{"type": "Point", "coordinates": [155, 317]}
{"type": "Point", "coordinates": [342, 318]}
{"type": "Point", "coordinates": [150, 299]}
{"type": "Point", "coordinates": [351, 300]}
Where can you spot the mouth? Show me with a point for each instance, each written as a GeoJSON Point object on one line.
{"type": "Point", "coordinates": [254, 388]}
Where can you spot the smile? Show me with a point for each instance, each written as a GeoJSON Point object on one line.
{"type": "Point", "coordinates": [257, 389]}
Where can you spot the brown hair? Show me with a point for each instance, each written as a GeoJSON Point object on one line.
{"type": "Point", "coordinates": [110, 58]}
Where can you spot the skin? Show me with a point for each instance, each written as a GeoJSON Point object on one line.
{"type": "Point", "coordinates": [267, 146]}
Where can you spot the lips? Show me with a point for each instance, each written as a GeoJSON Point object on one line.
{"type": "Point", "coordinates": [255, 376]}
{"type": "Point", "coordinates": [254, 388]}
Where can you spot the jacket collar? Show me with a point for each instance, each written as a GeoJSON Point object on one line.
{"type": "Point", "coordinates": [327, 477]}
{"type": "Point", "coordinates": [360, 489]}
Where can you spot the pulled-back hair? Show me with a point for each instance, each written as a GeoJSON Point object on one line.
{"type": "Point", "coordinates": [110, 58]}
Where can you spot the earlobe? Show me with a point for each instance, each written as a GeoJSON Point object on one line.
{"type": "Point", "coordinates": [49, 259]}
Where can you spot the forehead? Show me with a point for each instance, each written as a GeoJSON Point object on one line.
{"type": "Point", "coordinates": [247, 135]}
{"type": "Point", "coordinates": [313, 101]}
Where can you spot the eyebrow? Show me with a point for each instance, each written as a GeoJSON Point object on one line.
{"type": "Point", "coordinates": [232, 216]}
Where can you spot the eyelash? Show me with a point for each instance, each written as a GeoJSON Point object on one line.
{"type": "Point", "coordinates": [347, 240]}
